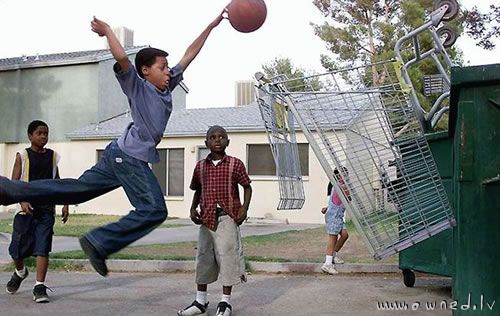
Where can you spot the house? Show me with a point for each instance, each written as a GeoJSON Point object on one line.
{"type": "Point", "coordinates": [78, 96]}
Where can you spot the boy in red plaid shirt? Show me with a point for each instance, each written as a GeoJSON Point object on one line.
{"type": "Point", "coordinates": [215, 182]}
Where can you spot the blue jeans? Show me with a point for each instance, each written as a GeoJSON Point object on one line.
{"type": "Point", "coordinates": [113, 170]}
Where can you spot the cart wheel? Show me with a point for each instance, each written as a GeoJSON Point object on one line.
{"type": "Point", "coordinates": [408, 277]}
{"type": "Point", "coordinates": [448, 34]}
{"type": "Point", "coordinates": [452, 11]}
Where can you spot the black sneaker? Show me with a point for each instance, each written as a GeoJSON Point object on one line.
{"type": "Point", "coordinates": [96, 260]}
{"type": "Point", "coordinates": [224, 309]}
{"type": "Point", "coordinates": [40, 293]}
{"type": "Point", "coordinates": [15, 282]}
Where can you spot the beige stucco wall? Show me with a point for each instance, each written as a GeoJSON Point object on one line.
{"type": "Point", "coordinates": [77, 156]}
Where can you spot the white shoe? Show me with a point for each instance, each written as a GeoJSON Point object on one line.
{"type": "Point", "coordinates": [329, 268]}
{"type": "Point", "coordinates": [194, 309]}
{"type": "Point", "coordinates": [338, 260]}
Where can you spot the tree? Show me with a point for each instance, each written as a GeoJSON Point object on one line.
{"type": "Point", "coordinates": [361, 32]}
{"type": "Point", "coordinates": [483, 27]}
{"type": "Point", "coordinates": [304, 79]}
{"type": "Point", "coordinates": [356, 32]}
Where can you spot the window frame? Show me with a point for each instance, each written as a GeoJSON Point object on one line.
{"type": "Point", "coordinates": [273, 177]}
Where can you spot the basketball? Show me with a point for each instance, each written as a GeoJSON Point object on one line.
{"type": "Point", "coordinates": [246, 15]}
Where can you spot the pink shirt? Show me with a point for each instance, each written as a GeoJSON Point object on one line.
{"type": "Point", "coordinates": [335, 198]}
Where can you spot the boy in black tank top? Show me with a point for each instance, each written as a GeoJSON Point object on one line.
{"type": "Point", "coordinates": [33, 224]}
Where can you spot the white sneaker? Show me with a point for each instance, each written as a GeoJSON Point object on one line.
{"type": "Point", "coordinates": [329, 268]}
{"type": "Point", "coordinates": [194, 309]}
{"type": "Point", "coordinates": [338, 260]}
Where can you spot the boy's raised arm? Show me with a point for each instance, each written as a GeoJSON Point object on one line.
{"type": "Point", "coordinates": [195, 47]}
{"type": "Point", "coordinates": [103, 29]}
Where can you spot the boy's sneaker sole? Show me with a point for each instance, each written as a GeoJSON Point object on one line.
{"type": "Point", "coordinates": [96, 260]}
{"type": "Point", "coordinates": [41, 299]}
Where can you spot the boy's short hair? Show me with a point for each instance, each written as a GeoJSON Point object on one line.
{"type": "Point", "coordinates": [34, 124]}
{"type": "Point", "coordinates": [147, 57]}
{"type": "Point", "coordinates": [215, 127]}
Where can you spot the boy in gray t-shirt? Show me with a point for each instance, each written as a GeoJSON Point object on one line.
{"type": "Point", "coordinates": [124, 162]}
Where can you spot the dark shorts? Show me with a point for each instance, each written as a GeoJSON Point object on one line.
{"type": "Point", "coordinates": [32, 234]}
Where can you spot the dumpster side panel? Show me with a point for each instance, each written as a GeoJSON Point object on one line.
{"type": "Point", "coordinates": [477, 235]}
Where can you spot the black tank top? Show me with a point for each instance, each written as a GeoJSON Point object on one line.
{"type": "Point", "coordinates": [41, 167]}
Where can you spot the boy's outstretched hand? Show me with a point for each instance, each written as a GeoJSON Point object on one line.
{"type": "Point", "coordinates": [219, 18]}
{"type": "Point", "coordinates": [99, 27]}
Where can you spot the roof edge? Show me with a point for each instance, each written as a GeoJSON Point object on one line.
{"type": "Point", "coordinates": [71, 61]}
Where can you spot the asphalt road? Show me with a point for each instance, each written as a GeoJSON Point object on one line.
{"type": "Point", "coordinates": [156, 294]}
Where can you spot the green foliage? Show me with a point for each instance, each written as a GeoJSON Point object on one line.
{"type": "Point", "coordinates": [284, 67]}
{"type": "Point", "coordinates": [483, 27]}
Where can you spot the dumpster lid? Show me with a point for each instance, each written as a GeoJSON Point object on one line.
{"type": "Point", "coordinates": [472, 76]}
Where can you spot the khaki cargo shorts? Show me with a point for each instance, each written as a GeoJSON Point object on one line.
{"type": "Point", "coordinates": [220, 252]}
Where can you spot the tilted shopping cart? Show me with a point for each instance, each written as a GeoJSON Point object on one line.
{"type": "Point", "coordinates": [365, 122]}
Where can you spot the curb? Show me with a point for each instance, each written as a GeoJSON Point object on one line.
{"type": "Point", "coordinates": [301, 267]}
{"type": "Point", "coordinates": [270, 267]}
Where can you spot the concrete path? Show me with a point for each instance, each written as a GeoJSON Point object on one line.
{"type": "Point", "coordinates": [159, 294]}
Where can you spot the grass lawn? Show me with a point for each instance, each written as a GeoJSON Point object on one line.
{"type": "Point", "coordinates": [77, 224]}
{"type": "Point", "coordinates": [291, 246]}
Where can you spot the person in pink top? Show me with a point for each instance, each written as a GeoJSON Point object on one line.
{"type": "Point", "coordinates": [335, 225]}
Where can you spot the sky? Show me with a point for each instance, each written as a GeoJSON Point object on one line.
{"type": "Point", "coordinates": [33, 27]}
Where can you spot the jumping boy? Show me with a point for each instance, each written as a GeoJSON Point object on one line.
{"type": "Point", "coordinates": [215, 182]}
{"type": "Point", "coordinates": [124, 162]}
{"type": "Point", "coordinates": [33, 224]}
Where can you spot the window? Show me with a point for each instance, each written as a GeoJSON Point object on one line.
{"type": "Point", "coordinates": [99, 154]}
{"type": "Point", "coordinates": [170, 171]}
{"type": "Point", "coordinates": [203, 152]}
{"type": "Point", "coordinates": [261, 162]}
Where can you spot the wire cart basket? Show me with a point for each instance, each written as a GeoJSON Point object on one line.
{"type": "Point", "coordinates": [280, 127]}
{"type": "Point", "coordinates": [362, 119]}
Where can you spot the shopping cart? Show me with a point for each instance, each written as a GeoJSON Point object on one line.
{"type": "Point", "coordinates": [362, 119]}
{"type": "Point", "coordinates": [280, 127]}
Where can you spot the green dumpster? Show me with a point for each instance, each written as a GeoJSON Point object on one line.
{"type": "Point", "coordinates": [475, 128]}
{"type": "Point", "coordinates": [435, 254]}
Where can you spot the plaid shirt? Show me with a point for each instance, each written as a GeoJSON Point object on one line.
{"type": "Point", "coordinates": [219, 185]}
